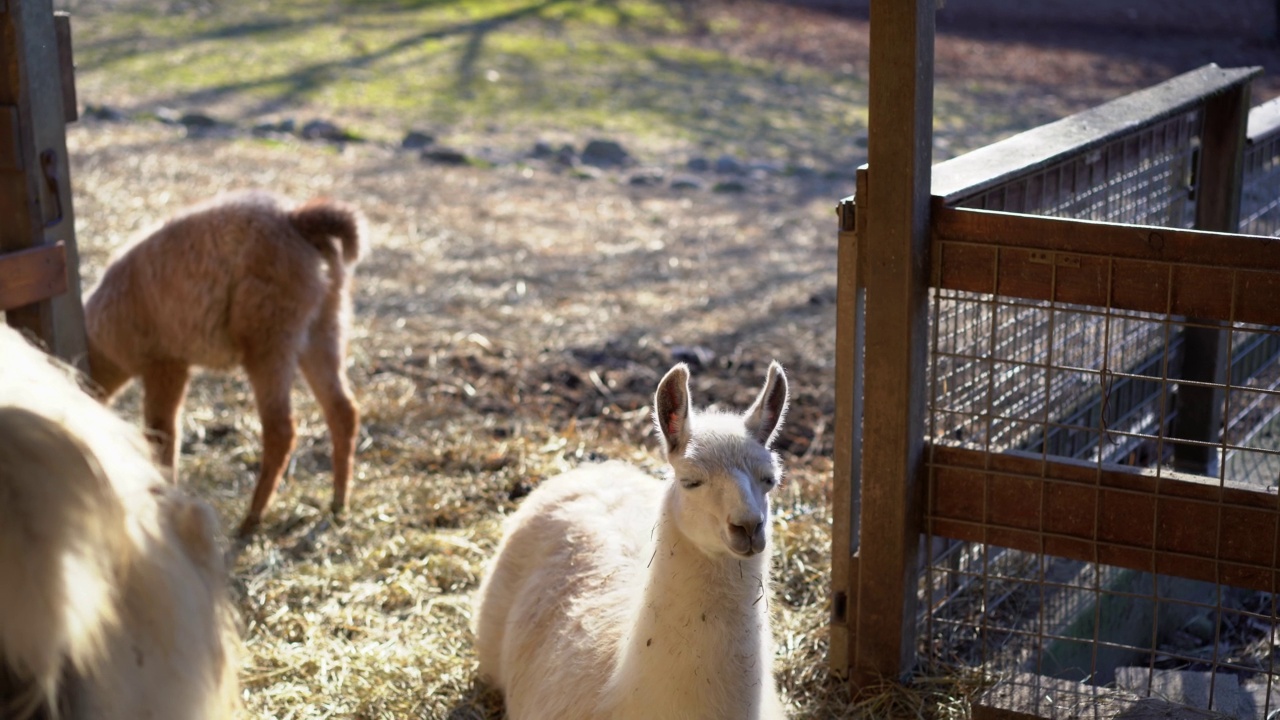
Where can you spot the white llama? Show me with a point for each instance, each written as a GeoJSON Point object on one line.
{"type": "Point", "coordinates": [112, 597]}
{"type": "Point", "coordinates": [617, 595]}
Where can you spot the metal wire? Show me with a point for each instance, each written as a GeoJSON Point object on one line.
{"type": "Point", "coordinates": [1097, 384]}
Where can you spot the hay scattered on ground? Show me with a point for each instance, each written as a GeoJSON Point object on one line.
{"type": "Point", "coordinates": [507, 329]}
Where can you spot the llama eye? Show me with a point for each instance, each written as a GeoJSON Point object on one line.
{"type": "Point", "coordinates": [690, 484]}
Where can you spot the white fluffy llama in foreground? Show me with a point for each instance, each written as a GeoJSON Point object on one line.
{"type": "Point", "coordinates": [112, 597]}
{"type": "Point", "coordinates": [241, 281]}
{"type": "Point", "coordinates": [617, 595]}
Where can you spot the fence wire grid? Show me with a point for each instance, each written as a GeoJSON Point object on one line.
{"type": "Point", "coordinates": [1100, 385]}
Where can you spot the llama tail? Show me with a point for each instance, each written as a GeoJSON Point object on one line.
{"type": "Point", "coordinates": [62, 543]}
{"type": "Point", "coordinates": [321, 221]}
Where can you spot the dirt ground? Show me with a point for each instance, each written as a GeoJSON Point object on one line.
{"type": "Point", "coordinates": [513, 320]}
{"type": "Point", "coordinates": [1082, 51]}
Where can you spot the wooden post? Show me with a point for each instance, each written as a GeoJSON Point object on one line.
{"type": "Point", "coordinates": [895, 265]}
{"type": "Point", "coordinates": [846, 495]}
{"type": "Point", "coordinates": [1218, 187]}
{"type": "Point", "coordinates": [35, 187]}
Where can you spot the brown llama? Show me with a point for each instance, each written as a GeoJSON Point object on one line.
{"type": "Point", "coordinates": [239, 281]}
{"type": "Point", "coordinates": [113, 602]}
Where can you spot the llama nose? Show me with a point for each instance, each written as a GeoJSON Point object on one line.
{"type": "Point", "coordinates": [747, 536]}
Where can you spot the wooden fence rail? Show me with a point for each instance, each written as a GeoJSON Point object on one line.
{"type": "Point", "coordinates": [1173, 157]}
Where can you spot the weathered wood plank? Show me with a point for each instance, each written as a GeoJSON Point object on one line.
{"type": "Point", "coordinates": [10, 155]}
{"type": "Point", "coordinates": [35, 191]}
{"type": "Point", "coordinates": [847, 460]}
{"type": "Point", "coordinates": [1041, 147]}
{"type": "Point", "coordinates": [1206, 275]}
{"type": "Point", "coordinates": [66, 67]}
{"type": "Point", "coordinates": [1089, 237]}
{"type": "Point", "coordinates": [32, 275]}
{"type": "Point", "coordinates": [900, 148]}
{"type": "Point", "coordinates": [1168, 523]}
{"type": "Point", "coordinates": [1218, 187]}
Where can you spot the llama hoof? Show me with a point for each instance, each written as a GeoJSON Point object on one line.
{"type": "Point", "coordinates": [248, 527]}
{"type": "Point", "coordinates": [339, 515]}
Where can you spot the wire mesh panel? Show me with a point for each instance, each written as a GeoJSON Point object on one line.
{"type": "Point", "coordinates": [1064, 551]}
{"type": "Point", "coordinates": [1076, 567]}
{"type": "Point", "coordinates": [1144, 178]}
{"type": "Point", "coordinates": [1082, 341]}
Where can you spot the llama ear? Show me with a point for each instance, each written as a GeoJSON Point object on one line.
{"type": "Point", "coordinates": [764, 418]}
{"type": "Point", "coordinates": [671, 409]}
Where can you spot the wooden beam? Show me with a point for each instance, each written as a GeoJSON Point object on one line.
{"type": "Point", "coordinates": [900, 155]}
{"type": "Point", "coordinates": [1167, 523]}
{"type": "Point", "coordinates": [35, 187]}
{"type": "Point", "coordinates": [32, 275]}
{"type": "Point", "coordinates": [1215, 277]}
{"type": "Point", "coordinates": [846, 496]}
{"type": "Point", "coordinates": [1219, 184]}
{"type": "Point", "coordinates": [1046, 145]}
{"type": "Point", "coordinates": [1205, 248]}
{"type": "Point", "coordinates": [66, 67]}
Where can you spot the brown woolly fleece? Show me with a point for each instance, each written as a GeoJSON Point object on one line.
{"type": "Point", "coordinates": [243, 280]}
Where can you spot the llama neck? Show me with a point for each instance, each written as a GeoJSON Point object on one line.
{"type": "Point", "coordinates": [699, 636]}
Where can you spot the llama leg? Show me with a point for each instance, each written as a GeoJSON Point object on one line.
{"type": "Point", "coordinates": [271, 381]}
{"type": "Point", "coordinates": [108, 376]}
{"type": "Point", "coordinates": [164, 385]}
{"type": "Point", "coordinates": [322, 366]}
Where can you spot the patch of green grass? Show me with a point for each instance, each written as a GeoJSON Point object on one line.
{"type": "Point", "coordinates": [460, 67]}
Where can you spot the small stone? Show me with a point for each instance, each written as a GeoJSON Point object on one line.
{"type": "Point", "coordinates": [198, 120]}
{"type": "Point", "coordinates": [729, 165]}
{"type": "Point", "coordinates": [730, 186]}
{"type": "Point", "coordinates": [567, 155]}
{"type": "Point", "coordinates": [647, 177]}
{"type": "Point", "coordinates": [168, 116]}
{"type": "Point", "coordinates": [698, 164]}
{"type": "Point", "coordinates": [695, 355]}
{"type": "Point", "coordinates": [765, 167]}
{"type": "Point", "coordinates": [323, 130]}
{"type": "Point", "coordinates": [687, 182]}
{"type": "Point", "coordinates": [416, 140]}
{"type": "Point", "coordinates": [542, 149]}
{"type": "Point", "coordinates": [445, 156]}
{"type": "Point", "coordinates": [605, 153]}
{"type": "Point", "coordinates": [283, 127]}
{"type": "Point", "coordinates": [105, 113]}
